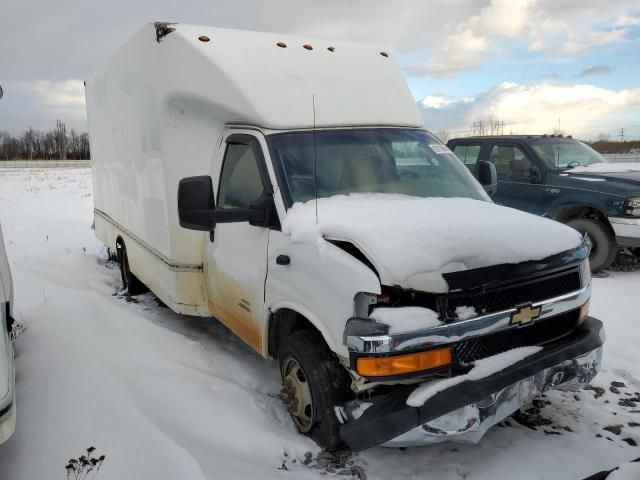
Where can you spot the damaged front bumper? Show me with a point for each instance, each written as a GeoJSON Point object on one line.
{"type": "Point", "coordinates": [465, 411]}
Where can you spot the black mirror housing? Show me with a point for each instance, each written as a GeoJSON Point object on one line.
{"type": "Point", "coordinates": [196, 205]}
{"type": "Point", "coordinates": [488, 176]}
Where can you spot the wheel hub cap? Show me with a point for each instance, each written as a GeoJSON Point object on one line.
{"type": "Point", "coordinates": [296, 394]}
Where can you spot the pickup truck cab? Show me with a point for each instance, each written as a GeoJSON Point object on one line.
{"type": "Point", "coordinates": [566, 180]}
{"type": "Point", "coordinates": [248, 177]}
{"type": "Point", "coordinates": [7, 370]}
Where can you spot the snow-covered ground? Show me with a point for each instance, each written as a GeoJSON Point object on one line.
{"type": "Point", "coordinates": [170, 397]}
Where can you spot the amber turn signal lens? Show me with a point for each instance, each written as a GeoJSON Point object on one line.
{"type": "Point", "coordinates": [401, 364]}
{"type": "Point", "coordinates": [584, 310]}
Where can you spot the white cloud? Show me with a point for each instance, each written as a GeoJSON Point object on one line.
{"type": "Point", "coordinates": [582, 109]}
{"type": "Point", "coordinates": [556, 27]}
{"type": "Point", "coordinates": [627, 21]}
{"type": "Point", "coordinates": [68, 93]}
{"type": "Point", "coordinates": [470, 42]}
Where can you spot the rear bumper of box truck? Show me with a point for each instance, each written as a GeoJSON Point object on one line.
{"type": "Point", "coordinates": [465, 411]}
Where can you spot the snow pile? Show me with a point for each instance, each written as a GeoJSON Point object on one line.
{"type": "Point", "coordinates": [626, 471]}
{"type": "Point", "coordinates": [406, 319]}
{"type": "Point", "coordinates": [622, 167]}
{"type": "Point", "coordinates": [465, 313]}
{"type": "Point", "coordinates": [168, 397]}
{"type": "Point", "coordinates": [482, 369]}
{"type": "Point", "coordinates": [412, 241]}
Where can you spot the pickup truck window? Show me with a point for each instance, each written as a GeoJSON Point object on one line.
{"type": "Point", "coordinates": [512, 165]}
{"type": "Point", "coordinates": [566, 154]}
{"type": "Point", "coordinates": [404, 161]}
{"type": "Point", "coordinates": [240, 183]}
{"type": "Point", "coordinates": [468, 154]}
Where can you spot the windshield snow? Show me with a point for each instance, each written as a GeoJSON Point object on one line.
{"type": "Point", "coordinates": [563, 154]}
{"type": "Point", "coordinates": [401, 161]}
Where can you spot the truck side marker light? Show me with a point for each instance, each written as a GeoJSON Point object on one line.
{"type": "Point", "coordinates": [281, 44]}
{"type": "Point", "coordinates": [401, 364]}
{"type": "Point", "coordinates": [203, 38]}
{"type": "Point", "coordinates": [584, 310]}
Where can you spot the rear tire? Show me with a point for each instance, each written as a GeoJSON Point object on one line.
{"type": "Point", "coordinates": [603, 242]}
{"type": "Point", "coordinates": [129, 281]}
{"type": "Point", "coordinates": [313, 384]}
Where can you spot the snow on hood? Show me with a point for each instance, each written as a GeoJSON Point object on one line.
{"type": "Point", "coordinates": [607, 168]}
{"type": "Point", "coordinates": [412, 241]}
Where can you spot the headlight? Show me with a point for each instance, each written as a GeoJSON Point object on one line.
{"type": "Point", "coordinates": [633, 207]}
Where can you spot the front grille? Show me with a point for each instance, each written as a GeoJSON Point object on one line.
{"type": "Point", "coordinates": [510, 296]}
{"type": "Point", "coordinates": [541, 332]}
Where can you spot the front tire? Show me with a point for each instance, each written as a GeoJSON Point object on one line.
{"type": "Point", "coordinates": [603, 242]}
{"type": "Point", "coordinates": [313, 383]}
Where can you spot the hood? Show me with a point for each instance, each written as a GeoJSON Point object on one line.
{"type": "Point", "coordinates": [626, 172]}
{"type": "Point", "coordinates": [413, 241]}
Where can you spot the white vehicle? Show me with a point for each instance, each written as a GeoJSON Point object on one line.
{"type": "Point", "coordinates": [7, 369]}
{"type": "Point", "coordinates": [286, 187]}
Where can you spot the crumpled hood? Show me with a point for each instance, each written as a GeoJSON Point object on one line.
{"type": "Point", "coordinates": [412, 241]}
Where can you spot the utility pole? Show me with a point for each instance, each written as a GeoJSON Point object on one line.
{"type": "Point", "coordinates": [621, 135]}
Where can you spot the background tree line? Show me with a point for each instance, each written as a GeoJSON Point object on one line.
{"type": "Point", "coordinates": [55, 144]}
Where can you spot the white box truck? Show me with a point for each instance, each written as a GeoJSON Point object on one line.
{"type": "Point", "coordinates": [286, 187]}
{"type": "Point", "coordinates": [7, 365]}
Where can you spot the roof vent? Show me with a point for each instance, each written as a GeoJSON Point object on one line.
{"type": "Point", "coordinates": [307, 46]}
{"type": "Point", "coordinates": [281, 44]}
{"type": "Point", "coordinates": [384, 54]}
{"type": "Point", "coordinates": [203, 38]}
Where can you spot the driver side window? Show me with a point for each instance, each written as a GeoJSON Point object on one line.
{"type": "Point", "coordinates": [512, 165]}
{"type": "Point", "coordinates": [240, 181]}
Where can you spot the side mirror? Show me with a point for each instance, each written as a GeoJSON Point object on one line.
{"type": "Point", "coordinates": [535, 174]}
{"type": "Point", "coordinates": [196, 206]}
{"type": "Point", "coordinates": [259, 214]}
{"type": "Point", "coordinates": [488, 176]}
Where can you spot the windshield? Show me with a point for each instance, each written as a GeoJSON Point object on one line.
{"type": "Point", "coordinates": [408, 162]}
{"type": "Point", "coordinates": [567, 154]}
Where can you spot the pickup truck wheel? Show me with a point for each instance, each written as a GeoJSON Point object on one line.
{"type": "Point", "coordinates": [313, 383]}
{"type": "Point", "coordinates": [130, 282]}
{"type": "Point", "coordinates": [603, 242]}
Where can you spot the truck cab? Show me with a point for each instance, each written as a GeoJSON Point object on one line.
{"type": "Point", "coordinates": [259, 185]}
{"type": "Point", "coordinates": [566, 180]}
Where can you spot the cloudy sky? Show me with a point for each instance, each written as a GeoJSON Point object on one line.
{"type": "Point", "coordinates": [533, 64]}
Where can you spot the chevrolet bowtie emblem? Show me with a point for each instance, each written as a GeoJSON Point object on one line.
{"type": "Point", "coordinates": [525, 315]}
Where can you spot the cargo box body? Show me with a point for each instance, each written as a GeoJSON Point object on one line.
{"type": "Point", "coordinates": [158, 108]}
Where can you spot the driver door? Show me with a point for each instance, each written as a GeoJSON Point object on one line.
{"type": "Point", "coordinates": [236, 254]}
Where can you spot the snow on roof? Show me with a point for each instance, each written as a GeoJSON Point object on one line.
{"type": "Point", "coordinates": [412, 241]}
{"type": "Point", "coordinates": [621, 167]}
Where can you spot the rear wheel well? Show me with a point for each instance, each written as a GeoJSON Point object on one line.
{"type": "Point", "coordinates": [284, 322]}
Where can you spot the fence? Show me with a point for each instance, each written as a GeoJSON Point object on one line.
{"type": "Point", "coordinates": [45, 163]}
{"type": "Point", "coordinates": [622, 157]}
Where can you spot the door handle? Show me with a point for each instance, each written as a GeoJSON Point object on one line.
{"type": "Point", "coordinates": [283, 260]}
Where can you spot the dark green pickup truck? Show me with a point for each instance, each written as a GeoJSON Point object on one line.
{"type": "Point", "coordinates": [564, 179]}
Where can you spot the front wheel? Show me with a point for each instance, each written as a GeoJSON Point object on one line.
{"type": "Point", "coordinates": [313, 384]}
{"type": "Point", "coordinates": [603, 242]}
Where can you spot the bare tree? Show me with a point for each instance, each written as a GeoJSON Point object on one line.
{"type": "Point", "coordinates": [61, 139]}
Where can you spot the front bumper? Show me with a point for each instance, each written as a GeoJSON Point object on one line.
{"type": "Point", "coordinates": [465, 411]}
{"type": "Point", "coordinates": [627, 231]}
